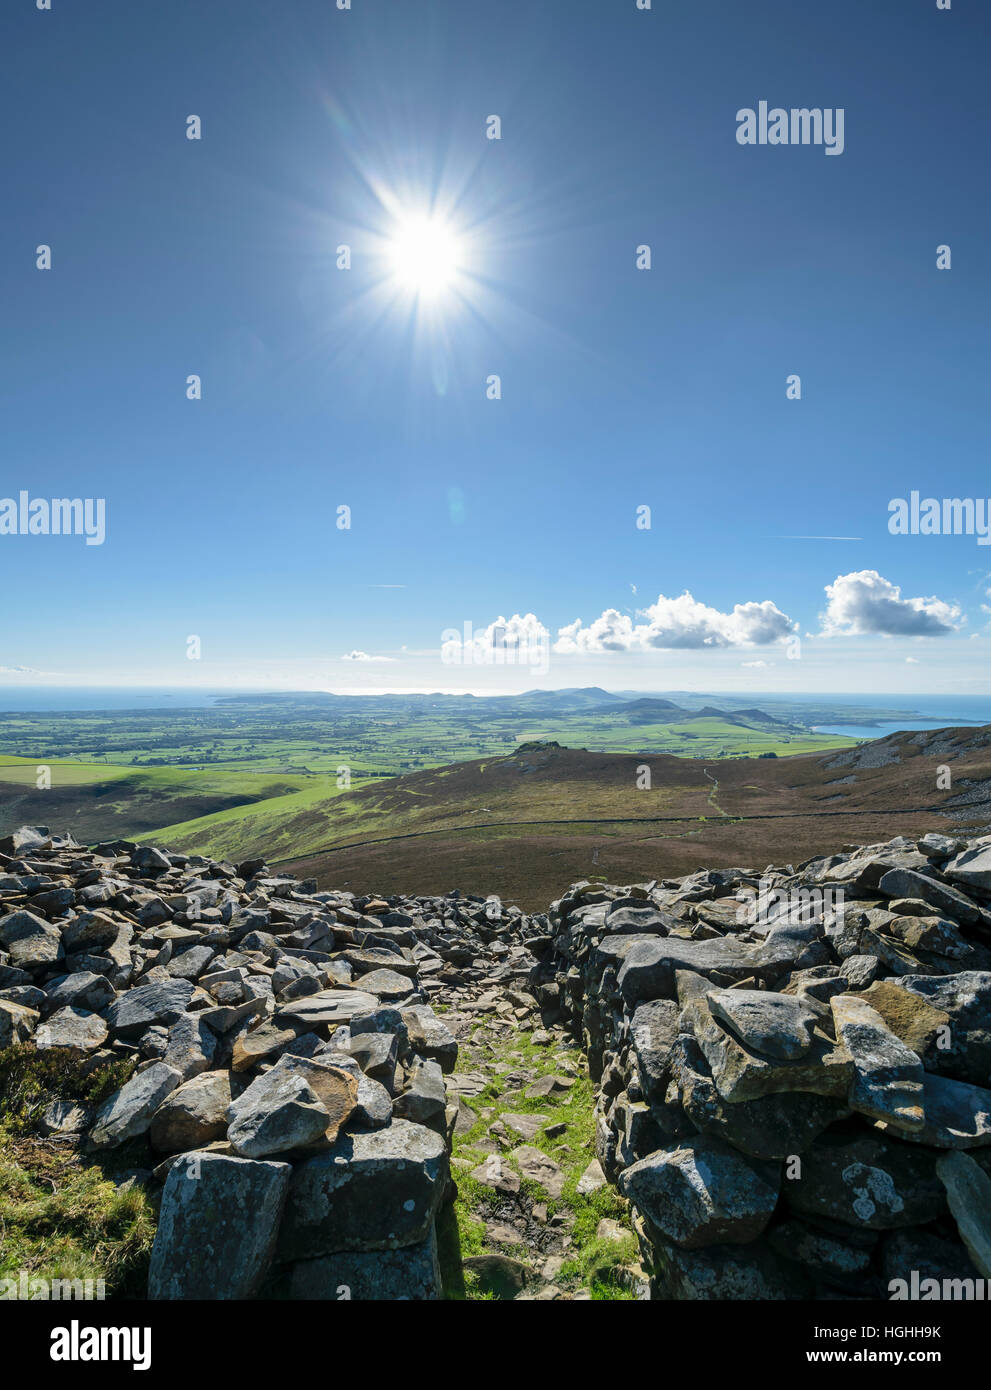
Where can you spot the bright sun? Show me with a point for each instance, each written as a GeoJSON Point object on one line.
{"type": "Point", "coordinates": [425, 254]}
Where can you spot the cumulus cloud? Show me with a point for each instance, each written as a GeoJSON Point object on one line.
{"type": "Point", "coordinates": [671, 623]}
{"type": "Point", "coordinates": [864, 603]}
{"type": "Point", "coordinates": [363, 656]}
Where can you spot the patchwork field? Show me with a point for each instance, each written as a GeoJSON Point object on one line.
{"type": "Point", "coordinates": [269, 770]}
{"type": "Point", "coordinates": [520, 820]}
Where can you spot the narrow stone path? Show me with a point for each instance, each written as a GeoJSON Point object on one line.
{"type": "Point", "coordinates": [535, 1218]}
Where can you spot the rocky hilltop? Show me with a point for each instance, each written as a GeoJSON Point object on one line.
{"type": "Point", "coordinates": [790, 1089]}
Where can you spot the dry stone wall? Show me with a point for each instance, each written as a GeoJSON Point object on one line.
{"type": "Point", "coordinates": [286, 1066]}
{"type": "Point", "coordinates": [793, 1067]}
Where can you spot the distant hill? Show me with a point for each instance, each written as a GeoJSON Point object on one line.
{"type": "Point", "coordinates": [653, 709]}
{"type": "Point", "coordinates": [528, 823]}
{"type": "Point", "coordinates": [589, 697]}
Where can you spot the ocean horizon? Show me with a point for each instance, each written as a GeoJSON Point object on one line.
{"type": "Point", "coordinates": [921, 711]}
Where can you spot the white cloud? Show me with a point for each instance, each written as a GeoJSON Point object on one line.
{"type": "Point", "coordinates": [677, 623]}
{"type": "Point", "coordinates": [19, 671]}
{"type": "Point", "coordinates": [363, 656]}
{"type": "Point", "coordinates": [911, 661]}
{"type": "Point", "coordinates": [756, 665]}
{"type": "Point", "coordinates": [863, 603]}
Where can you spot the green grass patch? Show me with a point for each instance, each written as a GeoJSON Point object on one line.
{"type": "Point", "coordinates": [61, 1215]}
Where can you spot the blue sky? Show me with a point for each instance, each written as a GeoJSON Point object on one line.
{"type": "Point", "coordinates": [620, 387]}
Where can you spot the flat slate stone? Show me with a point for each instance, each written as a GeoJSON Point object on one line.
{"type": "Point", "coordinates": [950, 902]}
{"type": "Point", "coordinates": [330, 1007]}
{"type": "Point", "coordinates": [388, 985]}
{"type": "Point", "coordinates": [76, 1030]}
{"type": "Point", "coordinates": [776, 1025]}
{"type": "Point", "coordinates": [129, 1111]}
{"type": "Point", "coordinates": [134, 1011]}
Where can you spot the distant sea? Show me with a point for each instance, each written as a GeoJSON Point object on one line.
{"type": "Point", "coordinates": [929, 711]}
{"type": "Point", "coordinates": [54, 698]}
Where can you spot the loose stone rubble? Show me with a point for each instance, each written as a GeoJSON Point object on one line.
{"type": "Point", "coordinates": [790, 1065]}
{"type": "Point", "coordinates": [289, 1077]}
{"type": "Point", "coordinates": [793, 1091]}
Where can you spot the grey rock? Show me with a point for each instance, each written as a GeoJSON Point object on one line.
{"type": "Point", "coordinates": [328, 1009]}
{"type": "Point", "coordinates": [194, 1115]}
{"type": "Point", "coordinates": [430, 1036]}
{"type": "Point", "coordinates": [372, 1191]}
{"type": "Point", "coordinates": [410, 1274]}
{"type": "Point", "coordinates": [423, 1099]}
{"type": "Point", "coordinates": [376, 1054]}
{"type": "Point", "coordinates": [949, 902]}
{"type": "Point", "coordinates": [776, 1025]}
{"type": "Point", "coordinates": [968, 1191]}
{"type": "Point", "coordinates": [76, 1030]}
{"type": "Point", "coordinates": [496, 1172]}
{"type": "Point", "coordinates": [527, 1126]}
{"type": "Point", "coordinates": [537, 1167]}
{"type": "Point", "coordinates": [31, 941]}
{"type": "Point", "coordinates": [373, 1107]}
{"type": "Point", "coordinates": [956, 1115]}
{"type": "Point", "coordinates": [972, 868]}
{"type": "Point", "coordinates": [653, 1033]}
{"type": "Point", "coordinates": [299, 1103]}
{"type": "Point", "coordinates": [217, 1228]}
{"type": "Point", "coordinates": [703, 1193]}
{"type": "Point", "coordinates": [136, 1010]}
{"type": "Point", "coordinates": [130, 1110]}
{"type": "Point", "coordinates": [888, 1078]}
{"type": "Point", "coordinates": [770, 1127]}
{"type": "Point", "coordinates": [387, 985]}
{"type": "Point", "coordinates": [82, 990]}
{"type": "Point", "coordinates": [17, 1023]}
{"type": "Point", "coordinates": [869, 1181]}
{"type": "Point", "coordinates": [741, 1074]}
{"type": "Point", "coordinates": [191, 1046]}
